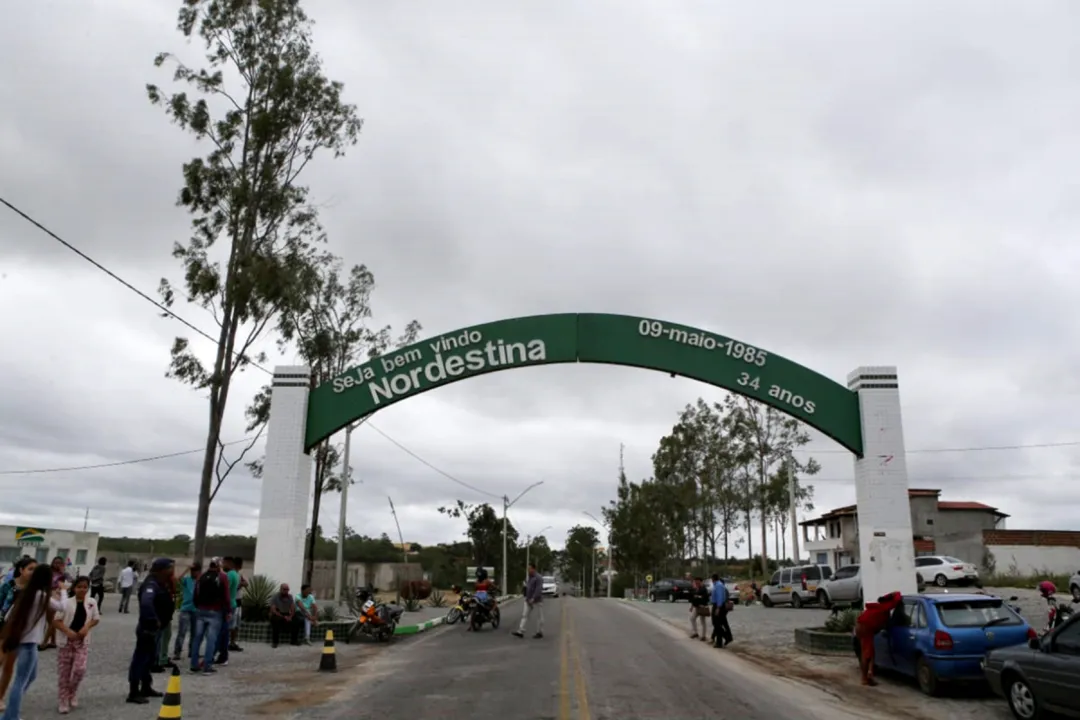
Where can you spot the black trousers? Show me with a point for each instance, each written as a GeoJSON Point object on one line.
{"type": "Point", "coordinates": [280, 624]}
{"type": "Point", "coordinates": [142, 659]}
{"type": "Point", "coordinates": [98, 593]}
{"type": "Point", "coordinates": [721, 628]}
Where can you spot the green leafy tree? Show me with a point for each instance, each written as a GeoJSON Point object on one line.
{"type": "Point", "coordinates": [779, 494]}
{"type": "Point", "coordinates": [578, 561]}
{"type": "Point", "coordinates": [263, 105]}
{"type": "Point", "coordinates": [484, 531]}
{"type": "Point", "coordinates": [541, 554]}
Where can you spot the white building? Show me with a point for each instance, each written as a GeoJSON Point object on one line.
{"type": "Point", "coordinates": [43, 544]}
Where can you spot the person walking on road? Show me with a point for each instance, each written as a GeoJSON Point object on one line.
{"type": "Point", "coordinates": [128, 577]}
{"type": "Point", "coordinates": [720, 601]}
{"type": "Point", "coordinates": [699, 609]}
{"type": "Point", "coordinates": [79, 617]}
{"type": "Point", "coordinates": [534, 598]}
{"type": "Point", "coordinates": [97, 582]}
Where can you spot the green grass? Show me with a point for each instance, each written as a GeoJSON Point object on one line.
{"type": "Point", "coordinates": [1016, 580]}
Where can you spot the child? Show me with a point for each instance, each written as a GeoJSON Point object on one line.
{"type": "Point", "coordinates": [79, 617]}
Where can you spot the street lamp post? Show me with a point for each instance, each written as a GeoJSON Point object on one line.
{"type": "Point", "coordinates": [507, 504]}
{"type": "Point", "coordinates": [609, 553]}
{"type": "Point", "coordinates": [339, 568]}
{"type": "Point", "coordinates": [528, 546]}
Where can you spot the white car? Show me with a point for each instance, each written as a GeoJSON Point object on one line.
{"type": "Point", "coordinates": [550, 586]}
{"type": "Point", "coordinates": [943, 570]}
{"type": "Point", "coordinates": [1074, 586]}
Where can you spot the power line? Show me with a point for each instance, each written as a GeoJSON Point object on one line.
{"type": "Point", "coordinates": [117, 463]}
{"type": "Point", "coordinates": [122, 281]}
{"type": "Point", "coordinates": [445, 474]}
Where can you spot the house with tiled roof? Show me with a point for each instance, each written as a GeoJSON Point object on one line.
{"type": "Point", "coordinates": [939, 527]}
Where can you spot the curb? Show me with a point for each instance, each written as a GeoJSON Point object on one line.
{"type": "Point", "coordinates": [429, 624]}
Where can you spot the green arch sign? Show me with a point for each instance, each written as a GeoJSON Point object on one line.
{"type": "Point", "coordinates": [589, 338]}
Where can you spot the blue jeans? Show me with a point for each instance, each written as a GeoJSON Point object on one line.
{"type": "Point", "coordinates": [185, 630]}
{"type": "Point", "coordinates": [223, 639]}
{"type": "Point", "coordinates": [26, 663]}
{"type": "Point", "coordinates": [208, 629]}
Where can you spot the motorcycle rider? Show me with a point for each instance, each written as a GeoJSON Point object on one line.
{"type": "Point", "coordinates": [482, 591]}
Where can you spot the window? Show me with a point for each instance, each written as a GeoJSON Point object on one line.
{"type": "Point", "coordinates": [903, 614]}
{"type": "Point", "coordinates": [8, 555]}
{"type": "Point", "coordinates": [64, 553]}
{"type": "Point", "coordinates": [775, 579]}
{"type": "Point", "coordinates": [846, 572]}
{"type": "Point", "coordinates": [822, 558]}
{"type": "Point", "coordinates": [952, 560]}
{"type": "Point", "coordinates": [920, 617]}
{"type": "Point", "coordinates": [80, 560]}
{"type": "Point", "coordinates": [812, 572]}
{"type": "Point", "coordinates": [925, 561]}
{"type": "Point", "coordinates": [41, 554]}
{"type": "Point", "coordinates": [929, 521]}
{"type": "Point", "coordinates": [1067, 639]}
{"type": "Point", "coordinates": [976, 613]}
{"type": "Point", "coordinates": [785, 577]}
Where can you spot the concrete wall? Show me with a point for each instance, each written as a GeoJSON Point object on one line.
{"type": "Point", "coordinates": [1034, 552]}
{"type": "Point", "coordinates": [924, 516]}
{"type": "Point", "coordinates": [960, 534]}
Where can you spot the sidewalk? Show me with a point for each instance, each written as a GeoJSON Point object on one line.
{"type": "Point", "coordinates": [430, 617]}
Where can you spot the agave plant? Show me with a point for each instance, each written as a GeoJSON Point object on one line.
{"type": "Point", "coordinates": [437, 599]}
{"type": "Point", "coordinates": [412, 605]}
{"type": "Point", "coordinates": [329, 613]}
{"type": "Point", "coordinates": [256, 598]}
{"type": "Point", "coordinates": [842, 622]}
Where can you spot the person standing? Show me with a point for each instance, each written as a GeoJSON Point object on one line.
{"type": "Point", "coordinates": [79, 617]}
{"type": "Point", "coordinates": [97, 582]}
{"type": "Point", "coordinates": [164, 636]}
{"type": "Point", "coordinates": [699, 609]}
{"type": "Point", "coordinates": [534, 599]}
{"type": "Point", "coordinates": [60, 582]}
{"type": "Point", "coordinates": [153, 599]}
{"type": "Point", "coordinates": [232, 579]}
{"type": "Point", "coordinates": [721, 629]}
{"type": "Point", "coordinates": [128, 576]}
{"type": "Point", "coordinates": [24, 631]}
{"type": "Point", "coordinates": [236, 587]}
{"type": "Point", "coordinates": [211, 607]}
{"type": "Point", "coordinates": [9, 593]}
{"type": "Point", "coordinates": [188, 613]}
{"type": "Point", "coordinates": [870, 622]}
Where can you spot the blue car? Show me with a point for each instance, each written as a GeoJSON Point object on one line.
{"type": "Point", "coordinates": [942, 638]}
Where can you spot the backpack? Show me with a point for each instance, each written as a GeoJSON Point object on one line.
{"type": "Point", "coordinates": [209, 590]}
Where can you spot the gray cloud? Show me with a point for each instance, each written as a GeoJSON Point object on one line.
{"type": "Point", "coordinates": [842, 187]}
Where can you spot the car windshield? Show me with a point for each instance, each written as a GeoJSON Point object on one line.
{"type": "Point", "coordinates": [976, 613]}
{"type": "Point", "coordinates": [549, 579]}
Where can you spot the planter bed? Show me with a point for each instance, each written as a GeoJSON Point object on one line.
{"type": "Point", "coordinates": [817, 641]}
{"type": "Point", "coordinates": [259, 632]}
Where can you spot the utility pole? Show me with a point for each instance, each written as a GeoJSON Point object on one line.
{"type": "Point", "coordinates": [792, 494]}
{"type": "Point", "coordinates": [607, 529]}
{"type": "Point", "coordinates": [346, 480]}
{"type": "Point", "coordinates": [507, 504]}
{"type": "Point", "coordinates": [86, 519]}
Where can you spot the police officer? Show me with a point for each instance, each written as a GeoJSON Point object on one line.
{"type": "Point", "coordinates": [154, 602]}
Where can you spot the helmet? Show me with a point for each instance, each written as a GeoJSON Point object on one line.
{"type": "Point", "coordinates": [481, 574]}
{"type": "Point", "coordinates": [1046, 588]}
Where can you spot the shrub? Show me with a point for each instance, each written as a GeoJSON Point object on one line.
{"type": "Point", "coordinates": [842, 622]}
{"type": "Point", "coordinates": [256, 598]}
{"type": "Point", "coordinates": [1015, 579]}
{"type": "Point", "coordinates": [437, 599]}
{"type": "Point", "coordinates": [328, 613]}
{"type": "Point", "coordinates": [412, 604]}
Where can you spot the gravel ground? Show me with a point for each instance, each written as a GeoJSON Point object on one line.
{"type": "Point", "coordinates": [764, 636]}
{"type": "Point", "coordinates": [258, 680]}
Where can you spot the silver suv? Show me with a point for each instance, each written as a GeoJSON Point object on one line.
{"type": "Point", "coordinates": [796, 585]}
{"type": "Point", "coordinates": [1074, 586]}
{"type": "Point", "coordinates": [845, 586]}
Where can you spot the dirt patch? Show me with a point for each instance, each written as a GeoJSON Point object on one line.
{"type": "Point", "coordinates": [306, 688]}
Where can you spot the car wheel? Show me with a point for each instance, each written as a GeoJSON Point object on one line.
{"type": "Point", "coordinates": [652, 597]}
{"type": "Point", "coordinates": [766, 600]}
{"type": "Point", "coordinates": [928, 680]}
{"type": "Point", "coordinates": [823, 599]}
{"type": "Point", "coordinates": [862, 603]}
{"type": "Point", "coordinates": [1075, 589]}
{"type": "Point", "coordinates": [941, 580]}
{"type": "Point", "coordinates": [796, 600]}
{"type": "Point", "coordinates": [1022, 701]}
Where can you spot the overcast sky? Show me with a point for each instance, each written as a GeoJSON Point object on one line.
{"type": "Point", "coordinates": [841, 184]}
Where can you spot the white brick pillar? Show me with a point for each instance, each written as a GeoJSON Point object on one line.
{"type": "Point", "coordinates": [886, 544]}
{"type": "Point", "coordinates": [286, 481]}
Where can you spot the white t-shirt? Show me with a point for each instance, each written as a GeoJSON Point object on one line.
{"type": "Point", "coordinates": [36, 633]}
{"type": "Point", "coordinates": [127, 577]}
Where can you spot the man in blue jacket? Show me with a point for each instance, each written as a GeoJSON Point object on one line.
{"type": "Point", "coordinates": [154, 603]}
{"type": "Point", "coordinates": [721, 630]}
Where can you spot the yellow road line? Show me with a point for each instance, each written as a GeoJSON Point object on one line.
{"type": "Point", "coordinates": [579, 682]}
{"type": "Point", "coordinates": [564, 666]}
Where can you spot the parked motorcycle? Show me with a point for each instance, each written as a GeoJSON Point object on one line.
{"type": "Point", "coordinates": [1056, 614]}
{"type": "Point", "coordinates": [483, 610]}
{"type": "Point", "coordinates": [462, 608]}
{"type": "Point", "coordinates": [377, 620]}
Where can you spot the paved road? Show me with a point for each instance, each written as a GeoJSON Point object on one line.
{"type": "Point", "coordinates": [598, 659]}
